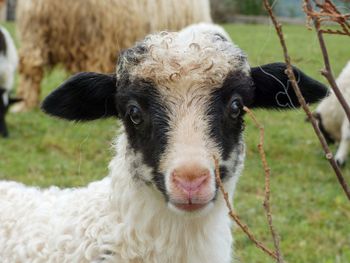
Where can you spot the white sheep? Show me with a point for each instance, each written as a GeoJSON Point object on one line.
{"type": "Point", "coordinates": [180, 99]}
{"type": "Point", "coordinates": [332, 119]}
{"type": "Point", "coordinates": [8, 65]}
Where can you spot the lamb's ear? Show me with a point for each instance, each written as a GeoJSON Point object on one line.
{"type": "Point", "coordinates": [83, 97]}
{"type": "Point", "coordinates": [274, 90]}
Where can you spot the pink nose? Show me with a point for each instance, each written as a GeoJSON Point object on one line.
{"type": "Point", "coordinates": [190, 186]}
{"type": "Point", "coordinates": [191, 179]}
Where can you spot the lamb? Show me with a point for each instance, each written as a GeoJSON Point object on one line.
{"type": "Point", "coordinates": [179, 97]}
{"type": "Point", "coordinates": [332, 120]}
{"type": "Point", "coordinates": [8, 65]}
{"type": "Point", "coordinates": [86, 35]}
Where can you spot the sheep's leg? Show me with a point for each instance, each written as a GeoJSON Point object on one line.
{"type": "Point", "coordinates": [3, 127]}
{"type": "Point", "coordinates": [31, 74]}
{"type": "Point", "coordinates": [343, 149]}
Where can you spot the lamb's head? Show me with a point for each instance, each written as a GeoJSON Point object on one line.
{"type": "Point", "coordinates": [180, 97]}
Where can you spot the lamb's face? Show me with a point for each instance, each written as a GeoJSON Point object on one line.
{"type": "Point", "coordinates": [181, 101]}
{"type": "Point", "coordinates": [180, 97]}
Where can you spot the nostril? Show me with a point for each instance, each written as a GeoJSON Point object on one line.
{"type": "Point", "coordinates": [191, 184]}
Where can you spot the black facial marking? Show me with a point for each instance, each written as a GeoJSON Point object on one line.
{"type": "Point", "coordinates": [227, 172]}
{"type": "Point", "coordinates": [225, 127]}
{"type": "Point", "coordinates": [223, 172]}
{"type": "Point", "coordinates": [159, 181]}
{"type": "Point", "coordinates": [150, 136]}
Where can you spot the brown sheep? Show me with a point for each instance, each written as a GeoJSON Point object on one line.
{"type": "Point", "coordinates": [86, 35]}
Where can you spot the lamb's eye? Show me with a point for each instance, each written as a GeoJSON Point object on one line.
{"type": "Point", "coordinates": [135, 115]}
{"type": "Point", "coordinates": [235, 108]}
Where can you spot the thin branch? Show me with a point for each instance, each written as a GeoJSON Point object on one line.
{"type": "Point", "coordinates": [327, 71]}
{"type": "Point", "coordinates": [328, 13]}
{"type": "Point", "coordinates": [334, 32]}
{"type": "Point", "coordinates": [302, 102]}
{"type": "Point", "coordinates": [235, 217]}
{"type": "Point", "coordinates": [267, 170]}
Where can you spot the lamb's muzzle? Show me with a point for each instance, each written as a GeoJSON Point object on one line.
{"type": "Point", "coordinates": [190, 187]}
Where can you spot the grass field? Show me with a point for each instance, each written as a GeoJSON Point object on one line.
{"type": "Point", "coordinates": [310, 210]}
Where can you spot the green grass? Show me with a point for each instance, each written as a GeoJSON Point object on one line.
{"type": "Point", "coordinates": [310, 210]}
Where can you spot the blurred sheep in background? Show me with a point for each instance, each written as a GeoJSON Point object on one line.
{"type": "Point", "coordinates": [8, 65]}
{"type": "Point", "coordinates": [86, 35]}
{"type": "Point", "coordinates": [332, 119]}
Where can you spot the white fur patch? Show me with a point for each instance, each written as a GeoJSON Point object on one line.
{"type": "Point", "coordinates": [8, 63]}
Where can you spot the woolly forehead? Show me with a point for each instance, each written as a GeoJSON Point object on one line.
{"type": "Point", "coordinates": [172, 59]}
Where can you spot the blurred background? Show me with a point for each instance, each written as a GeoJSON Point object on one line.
{"type": "Point", "coordinates": [223, 11]}
{"type": "Point", "coordinates": [310, 210]}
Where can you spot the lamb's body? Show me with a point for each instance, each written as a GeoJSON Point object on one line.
{"type": "Point", "coordinates": [333, 120]}
{"type": "Point", "coordinates": [50, 215]}
{"type": "Point", "coordinates": [111, 220]}
{"type": "Point", "coordinates": [86, 35]}
{"type": "Point", "coordinates": [180, 98]}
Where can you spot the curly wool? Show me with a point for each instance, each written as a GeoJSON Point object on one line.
{"type": "Point", "coordinates": [112, 220]}
{"type": "Point", "coordinates": [190, 53]}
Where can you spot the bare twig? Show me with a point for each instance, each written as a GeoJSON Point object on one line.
{"type": "Point", "coordinates": [235, 217]}
{"type": "Point", "coordinates": [291, 76]}
{"type": "Point", "coordinates": [328, 13]}
{"type": "Point", "coordinates": [267, 170]}
{"type": "Point", "coordinates": [334, 32]}
{"type": "Point", "coordinates": [327, 71]}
